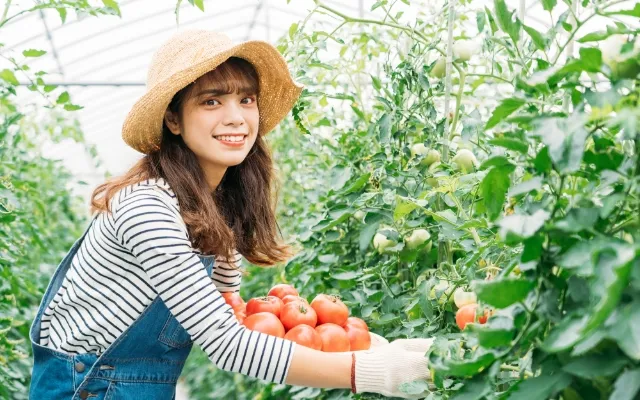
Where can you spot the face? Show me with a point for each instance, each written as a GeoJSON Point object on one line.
{"type": "Point", "coordinates": [220, 128]}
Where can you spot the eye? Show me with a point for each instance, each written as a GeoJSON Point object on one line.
{"type": "Point", "coordinates": [252, 98]}
{"type": "Point", "coordinates": [209, 102]}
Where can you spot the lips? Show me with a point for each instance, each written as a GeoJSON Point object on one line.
{"type": "Point", "coordinates": [231, 140]}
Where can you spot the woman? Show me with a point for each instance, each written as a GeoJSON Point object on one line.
{"type": "Point", "coordinates": [134, 293]}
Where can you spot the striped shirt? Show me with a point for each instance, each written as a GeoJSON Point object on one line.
{"type": "Point", "coordinates": [137, 252]}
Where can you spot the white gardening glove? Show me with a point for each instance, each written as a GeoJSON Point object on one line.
{"type": "Point", "coordinates": [382, 369]}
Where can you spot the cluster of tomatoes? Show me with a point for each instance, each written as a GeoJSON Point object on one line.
{"type": "Point", "coordinates": [324, 324]}
{"type": "Point", "coordinates": [467, 305]}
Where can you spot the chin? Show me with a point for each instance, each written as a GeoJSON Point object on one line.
{"type": "Point", "coordinates": [232, 162]}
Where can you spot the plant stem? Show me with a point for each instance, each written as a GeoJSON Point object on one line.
{"type": "Point", "coordinates": [6, 10]}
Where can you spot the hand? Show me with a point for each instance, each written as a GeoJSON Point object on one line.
{"type": "Point", "coordinates": [382, 369]}
{"type": "Point", "coordinates": [377, 340]}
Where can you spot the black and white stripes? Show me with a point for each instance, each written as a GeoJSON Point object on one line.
{"type": "Point", "coordinates": [140, 251]}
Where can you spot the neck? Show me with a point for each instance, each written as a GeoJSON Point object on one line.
{"type": "Point", "coordinates": [213, 175]}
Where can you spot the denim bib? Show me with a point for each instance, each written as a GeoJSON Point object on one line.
{"type": "Point", "coordinates": [143, 363]}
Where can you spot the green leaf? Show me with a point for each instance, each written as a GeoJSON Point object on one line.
{"type": "Point", "coordinates": [480, 21]}
{"type": "Point", "coordinates": [625, 330]}
{"type": "Point", "coordinates": [534, 183]}
{"type": "Point", "coordinates": [536, 37]}
{"type": "Point", "coordinates": [405, 205]}
{"type": "Point", "coordinates": [357, 184]}
{"type": "Point", "coordinates": [548, 5]}
{"type": "Point", "coordinates": [627, 385]}
{"type": "Point", "coordinates": [114, 5]}
{"type": "Point", "coordinates": [33, 53]}
{"type": "Point", "coordinates": [596, 365]}
{"type": "Point", "coordinates": [492, 21]}
{"type": "Point", "coordinates": [467, 367]}
{"type": "Point", "coordinates": [578, 219]}
{"type": "Point", "coordinates": [8, 76]}
{"type": "Point", "coordinates": [293, 29]}
{"type": "Point", "coordinates": [63, 98]}
{"type": "Point", "coordinates": [511, 144]}
{"type": "Point", "coordinates": [384, 127]}
{"type": "Point", "coordinates": [613, 268]}
{"type": "Point", "coordinates": [517, 227]}
{"type": "Point", "coordinates": [565, 334]}
{"type": "Point", "coordinates": [565, 138]}
{"type": "Point", "coordinates": [540, 388]}
{"type": "Point", "coordinates": [369, 231]}
{"type": "Point", "coordinates": [591, 59]}
{"type": "Point", "coordinates": [498, 331]}
{"type": "Point", "coordinates": [501, 293]}
{"type": "Point", "coordinates": [72, 107]}
{"type": "Point", "coordinates": [532, 249]}
{"type": "Point", "coordinates": [474, 389]}
{"type": "Point", "coordinates": [346, 276]}
{"type": "Point", "coordinates": [496, 161]}
{"type": "Point", "coordinates": [505, 20]}
{"type": "Point", "coordinates": [494, 189]}
{"type": "Point", "coordinates": [415, 387]}
{"type": "Point", "coordinates": [506, 108]}
{"type": "Point", "coordinates": [634, 12]}
{"type": "Point", "coordinates": [63, 14]}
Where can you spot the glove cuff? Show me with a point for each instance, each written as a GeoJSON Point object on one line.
{"type": "Point", "coordinates": [369, 372]}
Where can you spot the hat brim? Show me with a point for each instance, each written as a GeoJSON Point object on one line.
{"type": "Point", "coordinates": [142, 128]}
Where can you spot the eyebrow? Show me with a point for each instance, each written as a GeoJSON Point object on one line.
{"type": "Point", "coordinates": [218, 92]}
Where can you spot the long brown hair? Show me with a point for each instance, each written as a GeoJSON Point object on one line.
{"type": "Point", "coordinates": [240, 213]}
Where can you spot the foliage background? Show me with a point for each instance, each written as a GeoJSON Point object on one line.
{"type": "Point", "coordinates": [544, 230]}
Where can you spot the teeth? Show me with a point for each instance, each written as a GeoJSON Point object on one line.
{"type": "Point", "coordinates": [230, 138]}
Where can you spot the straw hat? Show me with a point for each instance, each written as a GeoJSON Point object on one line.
{"type": "Point", "coordinates": [192, 53]}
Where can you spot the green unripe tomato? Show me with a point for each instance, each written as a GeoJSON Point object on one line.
{"type": "Point", "coordinates": [462, 297]}
{"type": "Point", "coordinates": [465, 160]}
{"type": "Point", "coordinates": [433, 156]}
{"type": "Point", "coordinates": [359, 215]}
{"type": "Point", "coordinates": [439, 68]}
{"type": "Point", "coordinates": [417, 238]}
{"type": "Point", "coordinates": [419, 149]}
{"type": "Point", "coordinates": [381, 242]}
{"type": "Point", "coordinates": [463, 49]}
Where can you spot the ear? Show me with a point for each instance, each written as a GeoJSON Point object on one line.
{"type": "Point", "coordinates": [171, 119]}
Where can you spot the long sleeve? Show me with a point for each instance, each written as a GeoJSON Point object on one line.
{"type": "Point", "coordinates": [148, 226]}
{"type": "Point", "coordinates": [226, 275]}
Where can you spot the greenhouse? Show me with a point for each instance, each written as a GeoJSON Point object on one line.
{"type": "Point", "coordinates": [320, 199]}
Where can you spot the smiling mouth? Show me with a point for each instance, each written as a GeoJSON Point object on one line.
{"type": "Point", "coordinates": [236, 138]}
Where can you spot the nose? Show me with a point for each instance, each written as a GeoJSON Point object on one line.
{"type": "Point", "coordinates": [233, 114]}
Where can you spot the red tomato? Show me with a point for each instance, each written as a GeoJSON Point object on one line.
{"type": "Point", "coordinates": [240, 316]}
{"type": "Point", "coordinates": [282, 290]}
{"type": "Point", "coordinates": [265, 322]}
{"type": "Point", "coordinates": [270, 304]}
{"type": "Point", "coordinates": [233, 299]}
{"type": "Point", "coordinates": [356, 322]}
{"type": "Point", "coordinates": [334, 338]}
{"type": "Point", "coordinates": [289, 298]}
{"type": "Point", "coordinates": [296, 313]}
{"type": "Point", "coordinates": [467, 314]}
{"type": "Point", "coordinates": [330, 309]}
{"type": "Point", "coordinates": [305, 336]}
{"type": "Point", "coordinates": [359, 339]}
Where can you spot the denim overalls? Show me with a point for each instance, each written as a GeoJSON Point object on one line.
{"type": "Point", "coordinates": [143, 363]}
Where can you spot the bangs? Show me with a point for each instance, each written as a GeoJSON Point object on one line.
{"type": "Point", "coordinates": [235, 75]}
